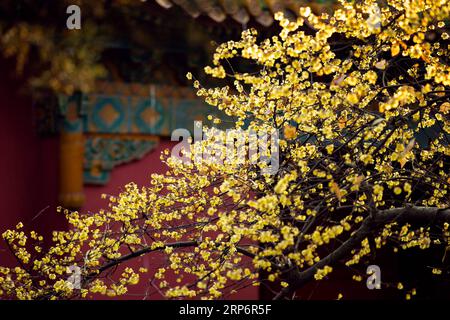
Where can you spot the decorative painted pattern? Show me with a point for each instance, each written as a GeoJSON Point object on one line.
{"type": "Point", "coordinates": [156, 110]}
{"type": "Point", "coordinates": [102, 154]}
{"type": "Point", "coordinates": [123, 122]}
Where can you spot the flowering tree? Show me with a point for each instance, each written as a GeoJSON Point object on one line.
{"type": "Point", "coordinates": [360, 99]}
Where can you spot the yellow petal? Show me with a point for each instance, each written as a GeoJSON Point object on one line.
{"type": "Point", "coordinates": [395, 49]}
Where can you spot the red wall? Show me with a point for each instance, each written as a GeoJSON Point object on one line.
{"type": "Point", "coordinates": [28, 163]}
{"type": "Point", "coordinates": [136, 171]}
{"type": "Point", "coordinates": [139, 172]}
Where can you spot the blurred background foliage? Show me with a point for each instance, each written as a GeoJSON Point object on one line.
{"type": "Point", "coordinates": [155, 41]}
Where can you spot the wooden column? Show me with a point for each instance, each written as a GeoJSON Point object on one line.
{"type": "Point", "coordinates": [71, 154]}
{"type": "Point", "coordinates": [71, 169]}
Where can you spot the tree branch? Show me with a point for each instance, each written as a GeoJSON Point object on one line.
{"type": "Point", "coordinates": [370, 225]}
{"type": "Point", "coordinates": [138, 253]}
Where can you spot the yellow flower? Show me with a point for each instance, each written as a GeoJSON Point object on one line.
{"type": "Point", "coordinates": [290, 132]}
{"type": "Point", "coordinates": [352, 98]}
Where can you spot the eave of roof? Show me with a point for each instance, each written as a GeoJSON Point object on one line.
{"type": "Point", "coordinates": [243, 10]}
